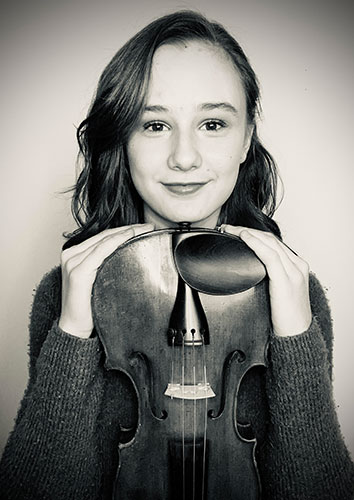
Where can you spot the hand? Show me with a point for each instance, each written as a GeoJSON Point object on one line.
{"type": "Point", "coordinates": [288, 280]}
{"type": "Point", "coordinates": [79, 265]}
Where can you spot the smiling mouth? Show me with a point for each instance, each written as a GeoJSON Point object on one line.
{"type": "Point", "coordinates": [184, 189]}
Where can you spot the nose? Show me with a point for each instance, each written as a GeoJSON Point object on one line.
{"type": "Point", "coordinates": [184, 153]}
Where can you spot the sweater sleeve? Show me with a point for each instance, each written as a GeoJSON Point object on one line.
{"type": "Point", "coordinates": [304, 455]}
{"type": "Point", "coordinates": [52, 451]}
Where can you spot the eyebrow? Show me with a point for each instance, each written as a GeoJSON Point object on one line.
{"type": "Point", "coordinates": [156, 109]}
{"type": "Point", "coordinates": [226, 106]}
{"type": "Point", "coordinates": [206, 106]}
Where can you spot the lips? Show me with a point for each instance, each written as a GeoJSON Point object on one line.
{"type": "Point", "coordinates": [184, 189]}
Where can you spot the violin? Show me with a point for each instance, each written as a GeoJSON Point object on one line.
{"type": "Point", "coordinates": [184, 312]}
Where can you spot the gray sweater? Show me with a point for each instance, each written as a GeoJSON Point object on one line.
{"type": "Point", "coordinates": [64, 444]}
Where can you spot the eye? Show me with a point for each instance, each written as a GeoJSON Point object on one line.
{"type": "Point", "coordinates": [155, 126]}
{"type": "Point", "coordinates": [213, 125]}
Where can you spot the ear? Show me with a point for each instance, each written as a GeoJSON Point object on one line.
{"type": "Point", "coordinates": [247, 142]}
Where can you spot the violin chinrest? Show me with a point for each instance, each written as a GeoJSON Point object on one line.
{"type": "Point", "coordinates": [217, 264]}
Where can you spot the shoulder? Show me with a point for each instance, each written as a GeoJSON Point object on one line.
{"type": "Point", "coordinates": [49, 288]}
{"type": "Point", "coordinates": [50, 280]}
{"type": "Point", "coordinates": [317, 292]}
{"type": "Point", "coordinates": [321, 312]}
{"type": "Point", "coordinates": [45, 310]}
{"type": "Point", "coordinates": [319, 301]}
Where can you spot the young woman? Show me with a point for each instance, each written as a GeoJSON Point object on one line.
{"type": "Point", "coordinates": [171, 136]}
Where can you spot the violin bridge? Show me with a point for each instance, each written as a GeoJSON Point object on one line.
{"type": "Point", "coordinates": [199, 391]}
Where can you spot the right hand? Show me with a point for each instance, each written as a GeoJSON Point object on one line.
{"type": "Point", "coordinates": [79, 265]}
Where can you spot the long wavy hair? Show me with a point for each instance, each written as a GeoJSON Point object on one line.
{"type": "Point", "coordinates": [104, 195]}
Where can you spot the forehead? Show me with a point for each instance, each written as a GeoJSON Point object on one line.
{"type": "Point", "coordinates": [187, 73]}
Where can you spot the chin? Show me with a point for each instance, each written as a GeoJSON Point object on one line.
{"type": "Point", "coordinates": [196, 220]}
{"type": "Point", "coordinates": [171, 215]}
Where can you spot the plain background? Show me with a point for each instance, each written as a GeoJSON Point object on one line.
{"type": "Point", "coordinates": [52, 55]}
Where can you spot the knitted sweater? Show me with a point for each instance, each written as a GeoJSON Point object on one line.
{"type": "Point", "coordinates": [64, 444]}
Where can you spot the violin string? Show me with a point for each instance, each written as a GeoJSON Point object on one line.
{"type": "Point", "coordinates": [173, 361]}
{"type": "Point", "coordinates": [183, 451]}
{"type": "Point", "coordinates": [205, 418]}
{"type": "Point", "coordinates": [194, 415]}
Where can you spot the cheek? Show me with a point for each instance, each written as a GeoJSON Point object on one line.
{"type": "Point", "coordinates": [224, 153]}
{"type": "Point", "coordinates": [228, 177]}
{"type": "Point", "coordinates": [137, 162]}
{"type": "Point", "coordinates": [140, 177]}
{"type": "Point", "coordinates": [144, 158]}
{"type": "Point", "coordinates": [227, 166]}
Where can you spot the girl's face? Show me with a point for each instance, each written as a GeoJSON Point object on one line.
{"type": "Point", "coordinates": [186, 149]}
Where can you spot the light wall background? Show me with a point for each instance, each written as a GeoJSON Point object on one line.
{"type": "Point", "coordinates": [52, 55]}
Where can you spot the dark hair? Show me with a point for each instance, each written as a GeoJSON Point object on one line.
{"type": "Point", "coordinates": [104, 195]}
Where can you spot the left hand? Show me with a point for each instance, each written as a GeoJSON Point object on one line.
{"type": "Point", "coordinates": [288, 280]}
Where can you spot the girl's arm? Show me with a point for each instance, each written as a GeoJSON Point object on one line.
{"type": "Point", "coordinates": [58, 448]}
{"type": "Point", "coordinates": [52, 452]}
{"type": "Point", "coordinates": [304, 455]}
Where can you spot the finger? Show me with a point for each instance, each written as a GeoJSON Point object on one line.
{"type": "Point", "coordinates": [251, 236]}
{"type": "Point", "coordinates": [236, 230]}
{"type": "Point", "coordinates": [105, 248]}
{"type": "Point", "coordinates": [278, 264]}
{"type": "Point", "coordinates": [285, 252]}
{"type": "Point", "coordinates": [86, 263]}
{"type": "Point", "coordinates": [266, 236]}
{"type": "Point", "coordinates": [90, 242]}
{"type": "Point", "coordinates": [142, 228]}
{"type": "Point", "coordinates": [106, 245]}
{"type": "Point", "coordinates": [278, 267]}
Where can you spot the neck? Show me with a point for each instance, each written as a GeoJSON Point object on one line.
{"type": "Point", "coordinates": [162, 223]}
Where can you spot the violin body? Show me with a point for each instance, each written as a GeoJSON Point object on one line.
{"type": "Point", "coordinates": [187, 444]}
